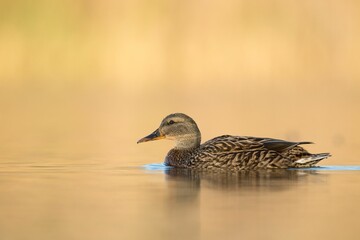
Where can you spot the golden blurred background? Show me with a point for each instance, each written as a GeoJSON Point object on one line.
{"type": "Point", "coordinates": [87, 79]}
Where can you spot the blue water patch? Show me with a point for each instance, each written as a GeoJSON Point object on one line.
{"type": "Point", "coordinates": [156, 167]}
{"type": "Point", "coordinates": [331, 168]}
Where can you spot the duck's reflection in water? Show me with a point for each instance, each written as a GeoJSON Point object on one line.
{"type": "Point", "coordinates": [184, 203]}
{"type": "Point", "coordinates": [272, 180]}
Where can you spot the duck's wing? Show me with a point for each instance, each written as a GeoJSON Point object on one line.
{"type": "Point", "coordinates": [228, 143]}
{"type": "Point", "coordinates": [278, 145]}
{"type": "Point", "coordinates": [236, 152]}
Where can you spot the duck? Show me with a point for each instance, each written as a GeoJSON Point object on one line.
{"type": "Point", "coordinates": [228, 152]}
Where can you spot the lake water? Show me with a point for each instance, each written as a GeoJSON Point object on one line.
{"type": "Point", "coordinates": [92, 199]}
{"type": "Point", "coordinates": [70, 169]}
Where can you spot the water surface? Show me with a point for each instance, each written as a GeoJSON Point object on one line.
{"type": "Point", "coordinates": [99, 200]}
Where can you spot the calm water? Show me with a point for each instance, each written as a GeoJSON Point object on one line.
{"type": "Point", "coordinates": [70, 169]}
{"type": "Point", "coordinates": [96, 199]}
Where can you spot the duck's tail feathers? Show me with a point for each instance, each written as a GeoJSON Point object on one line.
{"type": "Point", "coordinates": [311, 160]}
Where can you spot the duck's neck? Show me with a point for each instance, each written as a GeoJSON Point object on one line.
{"type": "Point", "coordinates": [181, 154]}
{"type": "Point", "coordinates": [188, 142]}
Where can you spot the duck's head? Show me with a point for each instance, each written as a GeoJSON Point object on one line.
{"type": "Point", "coordinates": [178, 127]}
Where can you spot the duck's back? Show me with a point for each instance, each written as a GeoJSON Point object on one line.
{"type": "Point", "coordinates": [237, 153]}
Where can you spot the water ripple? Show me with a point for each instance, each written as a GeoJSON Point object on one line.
{"type": "Point", "coordinates": [331, 168]}
{"type": "Point", "coordinates": [161, 166]}
{"type": "Point", "coordinates": [156, 167]}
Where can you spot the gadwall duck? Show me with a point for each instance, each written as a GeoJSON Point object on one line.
{"type": "Point", "coordinates": [228, 152]}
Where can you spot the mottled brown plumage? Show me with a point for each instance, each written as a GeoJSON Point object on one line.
{"type": "Point", "coordinates": [228, 152]}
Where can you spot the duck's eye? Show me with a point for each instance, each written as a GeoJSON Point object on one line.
{"type": "Point", "coordinates": [171, 122]}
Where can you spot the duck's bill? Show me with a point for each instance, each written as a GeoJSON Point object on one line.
{"type": "Point", "coordinates": [156, 135]}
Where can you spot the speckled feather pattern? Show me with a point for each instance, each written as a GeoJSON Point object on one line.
{"type": "Point", "coordinates": [242, 153]}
